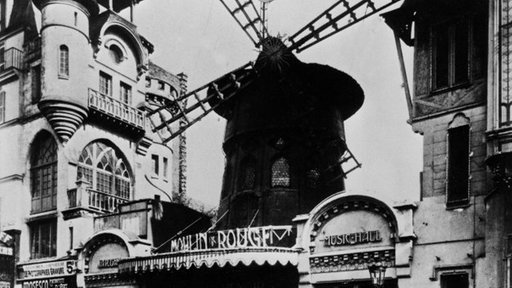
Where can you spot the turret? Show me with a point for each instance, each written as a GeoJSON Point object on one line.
{"type": "Point", "coordinates": [66, 53]}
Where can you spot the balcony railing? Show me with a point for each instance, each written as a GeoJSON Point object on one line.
{"type": "Point", "coordinates": [88, 198]}
{"type": "Point", "coordinates": [116, 109]}
{"type": "Point", "coordinates": [13, 58]}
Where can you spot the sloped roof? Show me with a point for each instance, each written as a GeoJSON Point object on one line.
{"type": "Point", "coordinates": [22, 16]}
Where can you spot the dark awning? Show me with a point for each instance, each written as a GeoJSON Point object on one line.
{"type": "Point", "coordinates": [209, 258]}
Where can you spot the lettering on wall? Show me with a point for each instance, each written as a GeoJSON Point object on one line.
{"type": "Point", "coordinates": [352, 238]}
{"type": "Point", "coordinates": [108, 263]}
{"type": "Point", "coordinates": [234, 238]}
{"type": "Point", "coordinates": [62, 282]}
{"type": "Point", "coordinates": [50, 269]}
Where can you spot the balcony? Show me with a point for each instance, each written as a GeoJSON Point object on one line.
{"type": "Point", "coordinates": [86, 198]}
{"type": "Point", "coordinates": [108, 110]}
{"type": "Point", "coordinates": [13, 58]}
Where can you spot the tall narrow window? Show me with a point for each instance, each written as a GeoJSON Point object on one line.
{"type": "Point", "coordinates": [126, 93]}
{"type": "Point", "coordinates": [105, 84]}
{"type": "Point", "coordinates": [44, 174]}
{"type": "Point", "coordinates": [451, 53]}
{"type": "Point", "coordinates": [166, 167]}
{"type": "Point", "coordinates": [2, 57]}
{"type": "Point", "coordinates": [2, 15]}
{"type": "Point", "coordinates": [458, 166]}
{"type": "Point", "coordinates": [71, 235]}
{"type": "Point", "coordinates": [280, 173]}
{"type": "Point", "coordinates": [43, 239]}
{"type": "Point", "coordinates": [36, 84]}
{"type": "Point", "coordinates": [63, 61]}
{"type": "Point", "coordinates": [154, 165]}
{"type": "Point", "coordinates": [2, 106]}
{"type": "Point", "coordinates": [247, 176]}
{"type": "Point", "coordinates": [106, 171]}
{"type": "Point", "coordinates": [456, 280]}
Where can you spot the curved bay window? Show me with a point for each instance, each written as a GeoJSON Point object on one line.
{"type": "Point", "coordinates": [280, 173]}
{"type": "Point", "coordinates": [247, 174]}
{"type": "Point", "coordinates": [44, 174]}
{"type": "Point", "coordinates": [107, 175]}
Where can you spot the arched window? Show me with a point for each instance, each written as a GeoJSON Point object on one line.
{"type": "Point", "coordinates": [280, 173]}
{"type": "Point", "coordinates": [63, 61]}
{"type": "Point", "coordinates": [44, 174]}
{"type": "Point", "coordinates": [105, 170]}
{"type": "Point", "coordinates": [247, 176]}
{"type": "Point", "coordinates": [115, 53]}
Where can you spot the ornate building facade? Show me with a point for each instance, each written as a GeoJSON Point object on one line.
{"type": "Point", "coordinates": [76, 143]}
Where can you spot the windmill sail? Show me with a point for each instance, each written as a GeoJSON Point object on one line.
{"type": "Point", "coordinates": [195, 105]}
{"type": "Point", "coordinates": [338, 17]}
{"type": "Point", "coordinates": [246, 15]}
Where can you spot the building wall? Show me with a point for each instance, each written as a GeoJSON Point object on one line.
{"type": "Point", "coordinates": [68, 23]}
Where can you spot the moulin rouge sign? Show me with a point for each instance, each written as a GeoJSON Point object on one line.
{"type": "Point", "coordinates": [251, 237]}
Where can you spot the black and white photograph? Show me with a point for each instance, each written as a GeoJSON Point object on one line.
{"type": "Point", "coordinates": [256, 143]}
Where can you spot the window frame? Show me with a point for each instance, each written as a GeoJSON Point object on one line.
{"type": "Point", "coordinates": [444, 276]}
{"type": "Point", "coordinates": [108, 81]}
{"type": "Point", "coordinates": [124, 87]}
{"type": "Point", "coordinates": [3, 100]}
{"type": "Point", "coordinates": [37, 176]}
{"type": "Point", "coordinates": [155, 165]}
{"type": "Point", "coordinates": [43, 226]}
{"type": "Point", "coordinates": [63, 61]}
{"type": "Point", "coordinates": [273, 174]}
{"type": "Point", "coordinates": [248, 168]}
{"type": "Point", "coordinates": [450, 27]}
{"type": "Point", "coordinates": [35, 80]}
{"type": "Point", "coordinates": [95, 152]}
{"type": "Point", "coordinates": [459, 122]}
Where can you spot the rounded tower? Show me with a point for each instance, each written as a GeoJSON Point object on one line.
{"type": "Point", "coordinates": [65, 56]}
{"type": "Point", "coordinates": [284, 139]}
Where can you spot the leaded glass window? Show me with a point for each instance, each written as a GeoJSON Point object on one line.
{"type": "Point", "coordinates": [280, 173]}
{"type": "Point", "coordinates": [44, 174]}
{"type": "Point", "coordinates": [105, 170]}
{"type": "Point", "coordinates": [63, 61]}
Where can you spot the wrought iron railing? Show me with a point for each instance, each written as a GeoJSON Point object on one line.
{"type": "Point", "coordinates": [116, 109]}
{"type": "Point", "coordinates": [92, 199]}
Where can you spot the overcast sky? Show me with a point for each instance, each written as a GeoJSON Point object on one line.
{"type": "Point", "coordinates": [200, 38]}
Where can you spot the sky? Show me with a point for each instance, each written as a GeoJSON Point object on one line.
{"type": "Point", "coordinates": [200, 38]}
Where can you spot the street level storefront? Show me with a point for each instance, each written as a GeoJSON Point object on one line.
{"type": "Point", "coordinates": [51, 274]}
{"type": "Point", "coordinates": [6, 261]}
{"type": "Point", "coordinates": [345, 234]}
{"type": "Point", "coordinates": [99, 257]}
{"type": "Point", "coordinates": [243, 257]}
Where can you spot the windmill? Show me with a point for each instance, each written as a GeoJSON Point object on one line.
{"type": "Point", "coordinates": [281, 114]}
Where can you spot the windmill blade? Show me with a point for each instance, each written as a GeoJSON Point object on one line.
{"type": "Point", "coordinates": [247, 16]}
{"type": "Point", "coordinates": [338, 17]}
{"type": "Point", "coordinates": [195, 105]}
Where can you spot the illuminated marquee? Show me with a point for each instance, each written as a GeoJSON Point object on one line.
{"type": "Point", "coordinates": [352, 238]}
{"type": "Point", "coordinates": [235, 238]}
